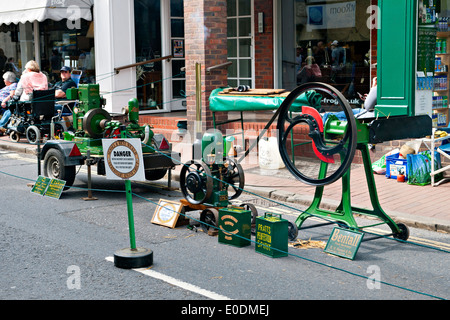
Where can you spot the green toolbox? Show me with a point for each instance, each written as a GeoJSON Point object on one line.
{"type": "Point", "coordinates": [235, 226]}
{"type": "Point", "coordinates": [272, 235]}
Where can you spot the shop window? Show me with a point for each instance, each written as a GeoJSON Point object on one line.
{"type": "Point", "coordinates": [332, 35]}
{"type": "Point", "coordinates": [61, 46]}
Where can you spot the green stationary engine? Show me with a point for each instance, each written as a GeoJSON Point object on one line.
{"type": "Point", "coordinates": [91, 124]}
{"type": "Point", "coordinates": [208, 180]}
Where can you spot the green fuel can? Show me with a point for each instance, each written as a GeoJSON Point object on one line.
{"type": "Point", "coordinates": [235, 226]}
{"type": "Point", "coordinates": [272, 235]}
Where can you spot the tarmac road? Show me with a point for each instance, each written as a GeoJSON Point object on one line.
{"type": "Point", "coordinates": [62, 249]}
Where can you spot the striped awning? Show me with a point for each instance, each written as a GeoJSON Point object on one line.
{"type": "Point", "coordinates": [21, 11]}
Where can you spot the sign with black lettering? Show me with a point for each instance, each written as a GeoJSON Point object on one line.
{"type": "Point", "coordinates": [344, 243]}
{"type": "Point", "coordinates": [52, 188]}
{"type": "Point", "coordinates": [123, 159]}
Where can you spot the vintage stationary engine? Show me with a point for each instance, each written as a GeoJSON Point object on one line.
{"type": "Point", "coordinates": [208, 180]}
{"type": "Point", "coordinates": [91, 124]}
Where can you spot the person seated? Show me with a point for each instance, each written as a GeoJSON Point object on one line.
{"type": "Point", "coordinates": [310, 72]}
{"type": "Point", "coordinates": [5, 94]}
{"type": "Point", "coordinates": [32, 79]}
{"type": "Point", "coordinates": [65, 83]}
{"type": "Point", "coordinates": [61, 88]}
{"type": "Point", "coordinates": [370, 101]}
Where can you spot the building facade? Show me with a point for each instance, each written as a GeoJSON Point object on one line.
{"type": "Point", "coordinates": [262, 40]}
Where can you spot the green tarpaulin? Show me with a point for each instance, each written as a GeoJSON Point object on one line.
{"type": "Point", "coordinates": [229, 102]}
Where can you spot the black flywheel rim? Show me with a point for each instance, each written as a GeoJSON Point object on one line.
{"type": "Point", "coordinates": [344, 149]}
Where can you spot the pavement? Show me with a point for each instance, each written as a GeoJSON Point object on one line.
{"type": "Point", "coordinates": [424, 207]}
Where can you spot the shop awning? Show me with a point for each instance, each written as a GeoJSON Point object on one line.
{"type": "Point", "coordinates": [21, 11]}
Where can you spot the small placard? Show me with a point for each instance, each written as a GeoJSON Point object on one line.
{"type": "Point", "coordinates": [40, 185]}
{"type": "Point", "coordinates": [55, 188]}
{"type": "Point", "coordinates": [52, 188]}
{"type": "Point", "coordinates": [344, 243]}
{"type": "Point", "coordinates": [167, 213]}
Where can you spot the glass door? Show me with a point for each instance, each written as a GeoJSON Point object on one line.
{"type": "Point", "coordinates": [176, 92]}
{"type": "Point", "coordinates": [148, 47]}
{"type": "Point", "coordinates": [159, 29]}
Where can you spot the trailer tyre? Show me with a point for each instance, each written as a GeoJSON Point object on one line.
{"type": "Point", "coordinates": [154, 175]}
{"type": "Point", "coordinates": [54, 167]}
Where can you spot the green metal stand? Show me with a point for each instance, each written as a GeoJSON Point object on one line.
{"type": "Point", "coordinates": [344, 212]}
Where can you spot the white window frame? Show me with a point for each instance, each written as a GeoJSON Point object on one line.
{"type": "Point", "coordinates": [252, 44]}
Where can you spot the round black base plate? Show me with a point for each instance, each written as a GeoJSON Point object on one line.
{"type": "Point", "coordinates": [133, 258]}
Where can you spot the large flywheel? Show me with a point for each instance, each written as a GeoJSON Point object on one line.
{"type": "Point", "coordinates": [196, 182]}
{"type": "Point", "coordinates": [317, 134]}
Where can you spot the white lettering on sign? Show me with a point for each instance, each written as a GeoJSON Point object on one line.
{"type": "Point", "coordinates": [331, 16]}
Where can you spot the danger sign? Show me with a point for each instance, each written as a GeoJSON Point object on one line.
{"type": "Point", "coordinates": [123, 159]}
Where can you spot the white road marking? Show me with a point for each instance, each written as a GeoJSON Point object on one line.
{"type": "Point", "coordinates": [178, 283]}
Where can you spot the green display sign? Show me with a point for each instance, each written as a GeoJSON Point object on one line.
{"type": "Point", "coordinates": [48, 187]}
{"type": "Point", "coordinates": [344, 243]}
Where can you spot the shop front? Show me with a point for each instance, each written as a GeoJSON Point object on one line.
{"type": "Point", "coordinates": [54, 33]}
{"type": "Point", "coordinates": [325, 41]}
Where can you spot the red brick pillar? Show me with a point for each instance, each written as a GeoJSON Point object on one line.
{"type": "Point", "coordinates": [205, 43]}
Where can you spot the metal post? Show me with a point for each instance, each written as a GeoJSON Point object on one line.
{"type": "Point", "coordinates": [130, 214]}
{"type": "Point", "coordinates": [39, 157]}
{"type": "Point", "coordinates": [198, 97]}
{"type": "Point", "coordinates": [88, 163]}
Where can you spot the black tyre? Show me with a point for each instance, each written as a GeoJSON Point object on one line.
{"type": "Point", "coordinates": [404, 232]}
{"type": "Point", "coordinates": [154, 175]}
{"type": "Point", "coordinates": [54, 167]}
{"type": "Point", "coordinates": [14, 136]}
{"type": "Point", "coordinates": [33, 134]}
{"type": "Point", "coordinates": [209, 219]}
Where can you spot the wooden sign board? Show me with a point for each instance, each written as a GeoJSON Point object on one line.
{"type": "Point", "coordinates": [167, 213]}
{"type": "Point", "coordinates": [344, 243]}
{"type": "Point", "coordinates": [52, 188]}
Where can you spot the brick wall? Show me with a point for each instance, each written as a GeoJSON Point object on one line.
{"type": "Point", "coordinates": [205, 43]}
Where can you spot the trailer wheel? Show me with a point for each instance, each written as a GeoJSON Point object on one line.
{"type": "Point", "coordinates": [154, 175]}
{"type": "Point", "coordinates": [54, 167]}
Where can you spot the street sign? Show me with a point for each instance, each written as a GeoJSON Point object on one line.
{"type": "Point", "coordinates": [123, 159]}
{"type": "Point", "coordinates": [344, 243]}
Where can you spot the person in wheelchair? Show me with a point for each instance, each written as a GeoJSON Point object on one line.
{"type": "Point", "coordinates": [32, 79]}
{"type": "Point", "coordinates": [9, 78]}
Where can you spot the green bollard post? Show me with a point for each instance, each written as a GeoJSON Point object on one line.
{"type": "Point", "coordinates": [133, 257]}
{"type": "Point", "coordinates": [130, 214]}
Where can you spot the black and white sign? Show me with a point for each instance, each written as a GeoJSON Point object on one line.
{"type": "Point", "coordinates": [123, 159]}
